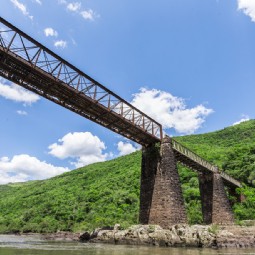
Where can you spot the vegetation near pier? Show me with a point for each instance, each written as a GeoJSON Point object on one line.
{"type": "Point", "coordinates": [106, 193]}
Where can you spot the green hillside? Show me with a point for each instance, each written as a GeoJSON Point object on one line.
{"type": "Point", "coordinates": [232, 149]}
{"type": "Point", "coordinates": [106, 193]}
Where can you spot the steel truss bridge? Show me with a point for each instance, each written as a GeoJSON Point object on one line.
{"type": "Point", "coordinates": [31, 65]}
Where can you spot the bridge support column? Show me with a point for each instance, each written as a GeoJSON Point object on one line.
{"type": "Point", "coordinates": [206, 194]}
{"type": "Point", "coordinates": [215, 203]}
{"type": "Point", "coordinates": [161, 200]}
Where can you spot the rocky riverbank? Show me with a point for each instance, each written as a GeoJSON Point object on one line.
{"type": "Point", "coordinates": [180, 235]}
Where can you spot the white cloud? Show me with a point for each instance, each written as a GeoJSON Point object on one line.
{"type": "Point", "coordinates": [84, 147]}
{"type": "Point", "coordinates": [125, 148]}
{"type": "Point", "coordinates": [21, 7]}
{"type": "Point", "coordinates": [248, 7]}
{"type": "Point", "coordinates": [60, 44]}
{"type": "Point", "coordinates": [170, 111]}
{"type": "Point", "coordinates": [49, 31]}
{"type": "Point", "coordinates": [24, 167]}
{"type": "Point", "coordinates": [38, 1]}
{"type": "Point", "coordinates": [17, 93]}
{"type": "Point", "coordinates": [22, 112]}
{"type": "Point", "coordinates": [74, 7]}
{"type": "Point", "coordinates": [89, 15]}
{"type": "Point", "coordinates": [244, 118]}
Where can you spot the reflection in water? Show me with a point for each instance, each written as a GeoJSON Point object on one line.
{"type": "Point", "coordinates": [34, 245]}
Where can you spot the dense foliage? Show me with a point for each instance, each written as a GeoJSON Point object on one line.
{"type": "Point", "coordinates": [107, 193]}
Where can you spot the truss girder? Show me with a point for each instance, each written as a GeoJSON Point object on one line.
{"type": "Point", "coordinates": [36, 68]}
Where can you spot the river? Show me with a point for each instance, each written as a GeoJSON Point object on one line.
{"type": "Point", "coordinates": [34, 245]}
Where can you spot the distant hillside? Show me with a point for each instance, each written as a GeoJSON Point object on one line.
{"type": "Point", "coordinates": [107, 193]}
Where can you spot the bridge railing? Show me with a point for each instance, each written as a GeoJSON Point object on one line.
{"type": "Point", "coordinates": [195, 158]}
{"type": "Point", "coordinates": [230, 179]}
{"type": "Point", "coordinates": [15, 42]}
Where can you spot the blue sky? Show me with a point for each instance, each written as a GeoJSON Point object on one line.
{"type": "Point", "coordinates": [188, 63]}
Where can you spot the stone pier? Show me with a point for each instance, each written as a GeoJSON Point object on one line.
{"type": "Point", "coordinates": [161, 200]}
{"type": "Point", "coordinates": [206, 194]}
{"type": "Point", "coordinates": [216, 207]}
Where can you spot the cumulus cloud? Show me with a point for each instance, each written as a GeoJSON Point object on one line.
{"type": "Point", "coordinates": [60, 44]}
{"type": "Point", "coordinates": [20, 112]}
{"type": "Point", "coordinates": [89, 15]}
{"type": "Point", "coordinates": [74, 7]}
{"type": "Point", "coordinates": [17, 93]}
{"type": "Point", "coordinates": [125, 148]}
{"type": "Point", "coordinates": [49, 31]}
{"type": "Point", "coordinates": [24, 167]}
{"type": "Point", "coordinates": [244, 118]}
{"type": "Point", "coordinates": [22, 8]}
{"type": "Point", "coordinates": [84, 147]}
{"type": "Point", "coordinates": [170, 111]}
{"type": "Point", "coordinates": [248, 7]}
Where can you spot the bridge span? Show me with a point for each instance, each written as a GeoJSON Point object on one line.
{"type": "Point", "coordinates": [31, 65]}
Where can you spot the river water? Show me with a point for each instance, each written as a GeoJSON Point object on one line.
{"type": "Point", "coordinates": [34, 245]}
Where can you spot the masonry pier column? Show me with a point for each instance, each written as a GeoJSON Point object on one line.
{"type": "Point", "coordinates": [206, 194]}
{"type": "Point", "coordinates": [161, 200]}
{"type": "Point", "coordinates": [215, 203]}
{"type": "Point", "coordinates": [150, 162]}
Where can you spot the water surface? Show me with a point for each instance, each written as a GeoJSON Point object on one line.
{"type": "Point", "coordinates": [34, 245]}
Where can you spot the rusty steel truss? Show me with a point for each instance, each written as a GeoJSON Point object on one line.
{"type": "Point", "coordinates": [26, 62]}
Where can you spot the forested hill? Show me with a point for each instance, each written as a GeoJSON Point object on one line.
{"type": "Point", "coordinates": [232, 149]}
{"type": "Point", "coordinates": [106, 193]}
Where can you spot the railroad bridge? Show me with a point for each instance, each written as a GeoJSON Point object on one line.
{"type": "Point", "coordinates": [31, 65]}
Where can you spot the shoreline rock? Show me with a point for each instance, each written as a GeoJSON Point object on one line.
{"type": "Point", "coordinates": [61, 236]}
{"type": "Point", "coordinates": [180, 235]}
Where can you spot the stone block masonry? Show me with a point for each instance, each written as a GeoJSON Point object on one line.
{"type": "Point", "coordinates": [161, 200]}
{"type": "Point", "coordinates": [221, 210]}
{"type": "Point", "coordinates": [206, 194]}
{"type": "Point", "coordinates": [150, 161]}
{"type": "Point", "coordinates": [215, 203]}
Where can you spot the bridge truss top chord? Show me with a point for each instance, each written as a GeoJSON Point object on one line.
{"type": "Point", "coordinates": [31, 65]}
